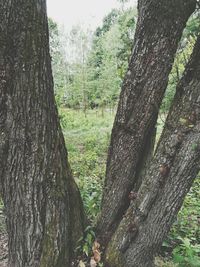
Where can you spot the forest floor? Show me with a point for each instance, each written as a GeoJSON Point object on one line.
{"type": "Point", "coordinates": [87, 139]}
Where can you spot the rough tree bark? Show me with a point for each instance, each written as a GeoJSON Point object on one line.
{"type": "Point", "coordinates": [43, 207]}
{"type": "Point", "coordinates": [173, 169]}
{"type": "Point", "coordinates": [159, 29]}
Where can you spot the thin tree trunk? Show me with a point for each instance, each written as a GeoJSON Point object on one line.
{"type": "Point", "coordinates": [44, 211]}
{"type": "Point", "coordinates": [159, 29]}
{"type": "Point", "coordinates": [175, 166]}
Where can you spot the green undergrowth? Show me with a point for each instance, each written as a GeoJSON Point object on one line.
{"type": "Point", "coordinates": [87, 139]}
{"type": "Point", "coordinates": [184, 238]}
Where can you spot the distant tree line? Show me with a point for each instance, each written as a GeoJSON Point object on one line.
{"type": "Point", "coordinates": [91, 74]}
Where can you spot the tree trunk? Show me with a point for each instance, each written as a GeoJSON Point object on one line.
{"type": "Point", "coordinates": [44, 211]}
{"type": "Point", "coordinates": [173, 169]}
{"type": "Point", "coordinates": [159, 29]}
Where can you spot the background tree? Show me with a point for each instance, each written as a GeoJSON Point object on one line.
{"type": "Point", "coordinates": [108, 59]}
{"type": "Point", "coordinates": [60, 61]}
{"type": "Point", "coordinates": [80, 45]}
{"type": "Point", "coordinates": [59, 64]}
{"type": "Point", "coordinates": [182, 57]}
{"type": "Point", "coordinates": [95, 63]}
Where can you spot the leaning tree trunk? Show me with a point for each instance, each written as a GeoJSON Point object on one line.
{"type": "Point", "coordinates": [159, 29]}
{"type": "Point", "coordinates": [43, 206]}
{"type": "Point", "coordinates": [173, 169]}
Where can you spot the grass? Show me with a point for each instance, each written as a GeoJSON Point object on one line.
{"type": "Point", "coordinates": [87, 139]}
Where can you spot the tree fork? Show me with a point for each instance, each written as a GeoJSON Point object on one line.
{"type": "Point", "coordinates": [159, 29]}
{"type": "Point", "coordinates": [170, 176]}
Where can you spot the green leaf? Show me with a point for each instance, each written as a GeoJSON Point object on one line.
{"type": "Point", "coordinates": [86, 249]}
{"type": "Point", "coordinates": [178, 258]}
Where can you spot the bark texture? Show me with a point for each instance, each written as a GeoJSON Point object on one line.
{"type": "Point", "coordinates": [173, 169]}
{"type": "Point", "coordinates": [159, 29]}
{"type": "Point", "coordinates": [44, 211]}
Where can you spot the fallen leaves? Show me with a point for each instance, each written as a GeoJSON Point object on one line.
{"type": "Point", "coordinates": [93, 263]}
{"type": "Point", "coordinates": [81, 264]}
{"type": "Point", "coordinates": [96, 258]}
{"type": "Point", "coordinates": [96, 254]}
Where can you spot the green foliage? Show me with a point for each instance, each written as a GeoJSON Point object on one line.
{"type": "Point", "coordinates": [85, 243]}
{"type": "Point", "coordinates": [183, 54]}
{"type": "Point", "coordinates": [186, 254]}
{"type": "Point", "coordinates": [59, 63]}
{"type": "Point", "coordinates": [78, 87]}
{"type": "Point", "coordinates": [180, 62]}
{"type": "Point", "coordinates": [109, 56]}
{"type": "Point", "coordinates": [90, 75]}
{"type": "Point", "coordinates": [108, 21]}
{"type": "Point", "coordinates": [123, 1]}
{"type": "Point", "coordinates": [87, 140]}
{"type": "Point", "coordinates": [193, 25]}
{"type": "Point", "coordinates": [160, 262]}
{"type": "Point", "coordinates": [92, 79]}
{"type": "Point", "coordinates": [184, 238]}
